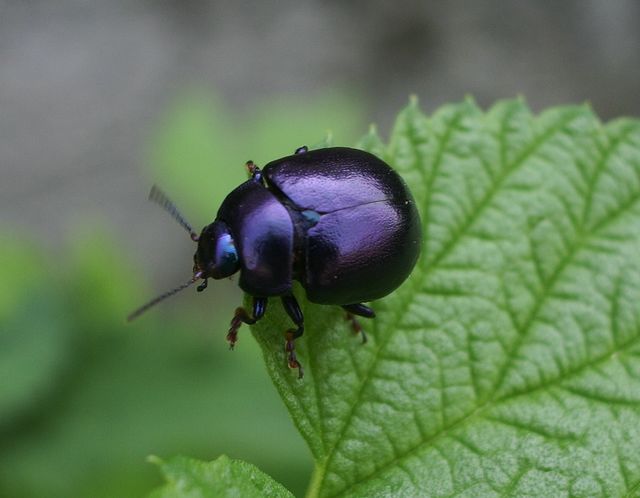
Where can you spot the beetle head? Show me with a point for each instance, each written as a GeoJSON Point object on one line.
{"type": "Point", "coordinates": [216, 256]}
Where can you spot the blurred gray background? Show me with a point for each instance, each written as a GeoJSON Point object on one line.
{"type": "Point", "coordinates": [83, 83]}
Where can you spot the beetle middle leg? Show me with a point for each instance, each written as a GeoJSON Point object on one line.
{"type": "Point", "coordinates": [241, 316]}
{"type": "Point", "coordinates": [292, 308]}
{"type": "Point", "coordinates": [360, 310]}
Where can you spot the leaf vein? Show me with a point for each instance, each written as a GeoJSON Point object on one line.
{"type": "Point", "coordinates": [368, 375]}
{"type": "Point", "coordinates": [491, 193]}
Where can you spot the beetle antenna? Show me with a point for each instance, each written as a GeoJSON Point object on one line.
{"type": "Point", "coordinates": [159, 197]}
{"type": "Point", "coordinates": [162, 297]}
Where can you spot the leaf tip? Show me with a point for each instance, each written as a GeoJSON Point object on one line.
{"type": "Point", "coordinates": [413, 100]}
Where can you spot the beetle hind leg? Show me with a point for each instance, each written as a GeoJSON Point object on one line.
{"type": "Point", "coordinates": [292, 308]}
{"type": "Point", "coordinates": [242, 316]}
{"type": "Point", "coordinates": [360, 310]}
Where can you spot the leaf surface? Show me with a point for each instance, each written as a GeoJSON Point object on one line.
{"type": "Point", "coordinates": [508, 364]}
{"type": "Point", "coordinates": [222, 478]}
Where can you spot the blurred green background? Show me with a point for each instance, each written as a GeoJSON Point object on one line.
{"type": "Point", "coordinates": [99, 100]}
{"type": "Point", "coordinates": [85, 397]}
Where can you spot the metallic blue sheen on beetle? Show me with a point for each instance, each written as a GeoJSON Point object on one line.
{"type": "Point", "coordinates": [338, 220]}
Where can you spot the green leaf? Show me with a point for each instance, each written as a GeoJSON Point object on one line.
{"type": "Point", "coordinates": [224, 477]}
{"type": "Point", "coordinates": [509, 362]}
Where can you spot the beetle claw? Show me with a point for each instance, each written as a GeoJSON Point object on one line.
{"type": "Point", "coordinates": [232, 335]}
{"type": "Point", "coordinates": [296, 364]}
{"type": "Point", "coordinates": [290, 349]}
{"type": "Point", "coordinates": [242, 316]}
{"type": "Point", "coordinates": [355, 326]}
{"type": "Point", "coordinates": [202, 286]}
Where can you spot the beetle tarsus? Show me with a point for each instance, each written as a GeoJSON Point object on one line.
{"type": "Point", "coordinates": [360, 310]}
{"type": "Point", "coordinates": [292, 308]}
{"type": "Point", "coordinates": [290, 349]}
{"type": "Point", "coordinates": [242, 316]}
{"type": "Point", "coordinates": [355, 326]}
{"type": "Point", "coordinates": [202, 286]}
{"type": "Point", "coordinates": [254, 172]}
{"type": "Point", "coordinates": [236, 322]}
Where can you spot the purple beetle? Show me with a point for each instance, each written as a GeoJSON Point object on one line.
{"type": "Point", "coordinates": [338, 220]}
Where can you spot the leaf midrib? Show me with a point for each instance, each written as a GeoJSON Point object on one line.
{"type": "Point", "coordinates": [489, 404]}
{"type": "Point", "coordinates": [578, 244]}
{"type": "Point", "coordinates": [484, 203]}
{"type": "Point", "coordinates": [314, 491]}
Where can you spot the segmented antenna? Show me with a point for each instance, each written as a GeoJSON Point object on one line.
{"type": "Point", "coordinates": [162, 297]}
{"type": "Point", "coordinates": [159, 197]}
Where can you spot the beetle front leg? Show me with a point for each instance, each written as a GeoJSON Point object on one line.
{"type": "Point", "coordinates": [241, 316]}
{"type": "Point", "coordinates": [360, 310]}
{"type": "Point", "coordinates": [292, 308]}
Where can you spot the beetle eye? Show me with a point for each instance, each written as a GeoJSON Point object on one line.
{"type": "Point", "coordinates": [226, 257]}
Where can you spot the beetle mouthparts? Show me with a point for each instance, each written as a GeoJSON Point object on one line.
{"type": "Point", "coordinates": [202, 286]}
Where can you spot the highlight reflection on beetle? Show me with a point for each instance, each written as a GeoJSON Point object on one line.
{"type": "Point", "coordinates": [338, 220]}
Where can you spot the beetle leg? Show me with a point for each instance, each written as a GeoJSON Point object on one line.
{"type": "Point", "coordinates": [202, 286]}
{"type": "Point", "coordinates": [360, 310]}
{"type": "Point", "coordinates": [292, 308]}
{"type": "Point", "coordinates": [254, 172]}
{"type": "Point", "coordinates": [241, 316]}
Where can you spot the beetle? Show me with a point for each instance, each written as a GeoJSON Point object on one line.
{"type": "Point", "coordinates": [338, 220]}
